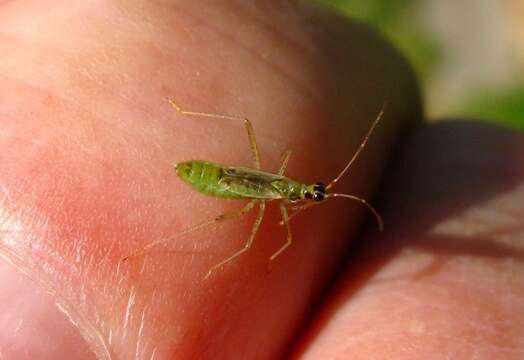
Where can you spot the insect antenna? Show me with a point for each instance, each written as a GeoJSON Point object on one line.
{"type": "Point", "coordinates": [380, 222]}
{"type": "Point", "coordinates": [357, 153]}
{"type": "Point", "coordinates": [299, 208]}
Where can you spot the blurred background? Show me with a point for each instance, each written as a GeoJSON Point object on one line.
{"type": "Point", "coordinates": [469, 54]}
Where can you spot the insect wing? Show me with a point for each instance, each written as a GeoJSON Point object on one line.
{"type": "Point", "coordinates": [250, 183]}
{"type": "Point", "coordinates": [251, 174]}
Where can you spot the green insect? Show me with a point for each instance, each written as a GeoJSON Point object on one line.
{"type": "Point", "coordinates": [257, 186]}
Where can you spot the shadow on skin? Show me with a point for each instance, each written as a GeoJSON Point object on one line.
{"type": "Point", "coordinates": [441, 171]}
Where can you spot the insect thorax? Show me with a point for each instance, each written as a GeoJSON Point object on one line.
{"type": "Point", "coordinates": [290, 189]}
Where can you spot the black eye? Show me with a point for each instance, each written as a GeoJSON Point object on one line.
{"type": "Point", "coordinates": [318, 196]}
{"type": "Point", "coordinates": [308, 195]}
{"type": "Point", "coordinates": [319, 187]}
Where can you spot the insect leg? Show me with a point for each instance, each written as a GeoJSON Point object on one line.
{"type": "Point", "coordinates": [222, 217]}
{"type": "Point", "coordinates": [289, 239]}
{"type": "Point", "coordinates": [298, 208]}
{"type": "Point", "coordinates": [249, 128]}
{"type": "Point", "coordinates": [249, 242]}
{"type": "Point", "coordinates": [285, 160]}
{"type": "Point", "coordinates": [252, 143]}
{"type": "Point", "coordinates": [235, 214]}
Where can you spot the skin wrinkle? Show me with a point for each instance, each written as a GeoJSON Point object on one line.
{"type": "Point", "coordinates": [78, 103]}
{"type": "Point", "coordinates": [293, 41]}
{"type": "Point", "coordinates": [153, 354]}
{"type": "Point", "coordinates": [89, 76]}
{"type": "Point", "coordinates": [65, 100]}
{"type": "Point", "coordinates": [130, 304]}
{"type": "Point", "coordinates": [362, 337]}
{"type": "Point", "coordinates": [297, 85]}
{"type": "Point", "coordinates": [274, 32]}
{"type": "Point", "coordinates": [22, 43]}
{"type": "Point", "coordinates": [89, 331]}
{"type": "Point", "coordinates": [18, 326]}
{"type": "Point", "coordinates": [4, 192]}
{"type": "Point", "coordinates": [473, 321]}
{"type": "Point", "coordinates": [77, 318]}
{"type": "Point", "coordinates": [140, 334]}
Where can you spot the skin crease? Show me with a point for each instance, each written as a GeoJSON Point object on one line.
{"type": "Point", "coordinates": [448, 284]}
{"type": "Point", "coordinates": [89, 141]}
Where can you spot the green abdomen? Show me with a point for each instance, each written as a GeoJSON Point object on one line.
{"type": "Point", "coordinates": [205, 177]}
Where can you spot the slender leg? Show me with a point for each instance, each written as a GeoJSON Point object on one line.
{"type": "Point", "coordinates": [289, 240]}
{"type": "Point", "coordinates": [285, 160]}
{"type": "Point", "coordinates": [249, 242]}
{"type": "Point", "coordinates": [249, 128]}
{"type": "Point", "coordinates": [298, 208]}
{"type": "Point", "coordinates": [226, 216]}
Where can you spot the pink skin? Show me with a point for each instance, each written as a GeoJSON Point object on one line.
{"type": "Point", "coordinates": [445, 279]}
{"type": "Point", "coordinates": [88, 142]}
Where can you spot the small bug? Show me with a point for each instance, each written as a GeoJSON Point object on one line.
{"type": "Point", "coordinates": [257, 186]}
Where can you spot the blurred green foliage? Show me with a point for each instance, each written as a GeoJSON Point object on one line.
{"type": "Point", "coordinates": [398, 20]}
{"type": "Point", "coordinates": [503, 106]}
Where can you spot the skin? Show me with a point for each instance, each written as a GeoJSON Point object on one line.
{"type": "Point", "coordinates": [88, 142]}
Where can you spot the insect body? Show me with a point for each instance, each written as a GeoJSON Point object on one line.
{"type": "Point", "coordinates": [235, 182]}
{"type": "Point", "coordinates": [257, 186]}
